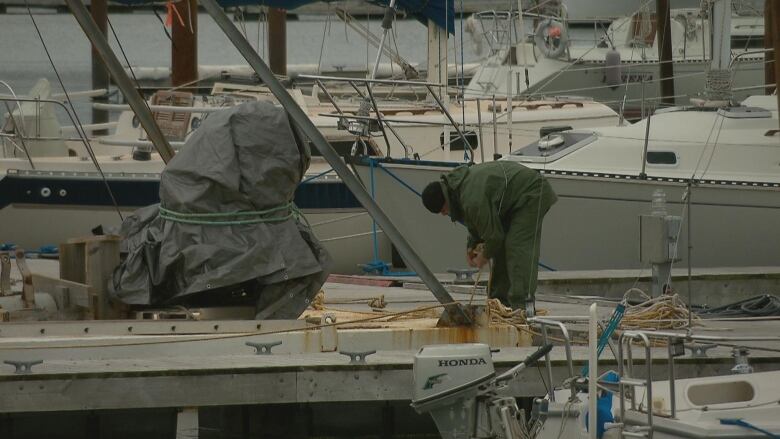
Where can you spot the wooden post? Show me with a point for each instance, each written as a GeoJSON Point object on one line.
{"type": "Point", "coordinates": [100, 78]}
{"type": "Point", "coordinates": [184, 54]}
{"type": "Point", "coordinates": [91, 261]}
{"type": "Point", "coordinates": [277, 41]}
{"type": "Point", "coordinates": [769, 56]}
{"type": "Point", "coordinates": [666, 67]}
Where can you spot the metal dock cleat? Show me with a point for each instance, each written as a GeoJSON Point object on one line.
{"type": "Point", "coordinates": [263, 348]}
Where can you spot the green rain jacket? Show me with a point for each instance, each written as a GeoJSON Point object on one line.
{"type": "Point", "coordinates": [484, 197]}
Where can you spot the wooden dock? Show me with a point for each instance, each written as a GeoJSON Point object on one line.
{"type": "Point", "coordinates": [206, 377]}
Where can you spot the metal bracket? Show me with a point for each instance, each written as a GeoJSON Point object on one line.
{"type": "Point", "coordinates": [263, 348]}
{"type": "Point", "coordinates": [357, 357]}
{"type": "Point", "coordinates": [741, 364]}
{"type": "Point", "coordinates": [23, 367]}
{"type": "Point", "coordinates": [5, 274]}
{"type": "Point", "coordinates": [28, 291]}
{"type": "Point", "coordinates": [699, 350]}
{"type": "Point", "coordinates": [328, 318]}
{"type": "Point", "coordinates": [463, 274]}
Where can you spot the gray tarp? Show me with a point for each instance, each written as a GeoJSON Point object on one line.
{"type": "Point", "coordinates": [245, 159]}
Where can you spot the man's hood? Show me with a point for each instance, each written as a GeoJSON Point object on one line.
{"type": "Point", "coordinates": [453, 181]}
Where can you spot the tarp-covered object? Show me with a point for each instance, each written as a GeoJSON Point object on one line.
{"type": "Point", "coordinates": [226, 231]}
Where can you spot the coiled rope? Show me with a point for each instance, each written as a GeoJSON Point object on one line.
{"type": "Point", "coordinates": [663, 312]}
{"type": "Point", "coordinates": [764, 305]}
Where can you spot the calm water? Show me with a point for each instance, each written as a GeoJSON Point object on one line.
{"type": "Point", "coordinates": [23, 59]}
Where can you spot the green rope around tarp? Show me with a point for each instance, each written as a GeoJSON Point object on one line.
{"type": "Point", "coordinates": [273, 215]}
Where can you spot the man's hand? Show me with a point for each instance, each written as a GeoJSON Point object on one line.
{"type": "Point", "coordinates": [471, 256]}
{"type": "Point", "coordinates": [479, 261]}
{"type": "Point", "coordinates": [475, 258]}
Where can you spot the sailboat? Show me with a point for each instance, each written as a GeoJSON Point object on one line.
{"type": "Point", "coordinates": [621, 68]}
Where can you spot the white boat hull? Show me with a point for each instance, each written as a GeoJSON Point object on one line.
{"type": "Point", "coordinates": [595, 224]}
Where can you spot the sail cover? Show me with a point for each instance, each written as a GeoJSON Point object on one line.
{"type": "Point", "coordinates": [226, 231]}
{"type": "Point", "coordinates": [441, 12]}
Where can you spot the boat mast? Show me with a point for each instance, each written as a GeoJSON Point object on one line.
{"type": "Point", "coordinates": [454, 313]}
{"type": "Point", "coordinates": [719, 75]}
{"type": "Point", "coordinates": [437, 57]}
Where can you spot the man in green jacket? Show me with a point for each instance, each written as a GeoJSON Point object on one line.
{"type": "Point", "coordinates": [503, 205]}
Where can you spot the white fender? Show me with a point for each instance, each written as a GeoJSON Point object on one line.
{"type": "Point", "coordinates": [612, 68]}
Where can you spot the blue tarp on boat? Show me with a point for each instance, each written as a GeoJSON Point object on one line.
{"type": "Point", "coordinates": [422, 10]}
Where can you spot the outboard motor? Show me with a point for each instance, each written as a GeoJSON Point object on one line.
{"type": "Point", "coordinates": [458, 386]}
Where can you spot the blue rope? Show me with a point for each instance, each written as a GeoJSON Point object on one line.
{"type": "Point", "coordinates": [314, 177]}
{"type": "Point", "coordinates": [612, 325]}
{"type": "Point", "coordinates": [395, 177]}
{"type": "Point", "coordinates": [377, 265]}
{"type": "Point", "coordinates": [748, 425]}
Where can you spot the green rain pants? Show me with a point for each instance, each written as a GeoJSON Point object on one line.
{"type": "Point", "coordinates": [516, 264]}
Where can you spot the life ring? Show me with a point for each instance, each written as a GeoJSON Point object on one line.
{"type": "Point", "coordinates": [551, 38]}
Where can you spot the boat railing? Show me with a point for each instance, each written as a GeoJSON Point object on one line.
{"type": "Point", "coordinates": [360, 122]}
{"type": "Point", "coordinates": [544, 324]}
{"type": "Point", "coordinates": [676, 347]}
{"type": "Point", "coordinates": [19, 125]}
{"type": "Point", "coordinates": [676, 344]}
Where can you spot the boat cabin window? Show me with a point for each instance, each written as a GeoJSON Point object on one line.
{"type": "Point", "coordinates": [721, 393]}
{"type": "Point", "coordinates": [552, 144]}
{"type": "Point", "coordinates": [661, 158]}
{"type": "Point", "coordinates": [747, 42]}
{"type": "Point", "coordinates": [456, 142]}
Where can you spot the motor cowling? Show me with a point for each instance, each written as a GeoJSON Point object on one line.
{"type": "Point", "coordinates": [446, 384]}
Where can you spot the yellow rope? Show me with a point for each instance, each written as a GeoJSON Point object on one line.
{"type": "Point", "coordinates": [663, 312]}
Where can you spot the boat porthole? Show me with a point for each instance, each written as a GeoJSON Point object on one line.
{"type": "Point", "coordinates": [45, 192]}
{"type": "Point", "coordinates": [136, 122]}
{"type": "Point", "coordinates": [63, 192]}
{"type": "Point", "coordinates": [195, 123]}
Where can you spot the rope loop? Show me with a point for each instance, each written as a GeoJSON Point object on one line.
{"type": "Point", "coordinates": [276, 214]}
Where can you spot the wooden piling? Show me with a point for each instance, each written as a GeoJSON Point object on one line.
{"type": "Point", "coordinates": [184, 50]}
{"type": "Point", "coordinates": [100, 78]}
{"type": "Point", "coordinates": [277, 41]}
{"type": "Point", "coordinates": [666, 66]}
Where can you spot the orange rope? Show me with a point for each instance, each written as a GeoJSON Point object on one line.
{"type": "Point", "coordinates": [170, 6]}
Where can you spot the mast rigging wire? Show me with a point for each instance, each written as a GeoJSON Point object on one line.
{"type": "Point", "coordinates": [79, 127]}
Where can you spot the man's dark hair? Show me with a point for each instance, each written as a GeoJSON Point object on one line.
{"type": "Point", "coordinates": [433, 197]}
